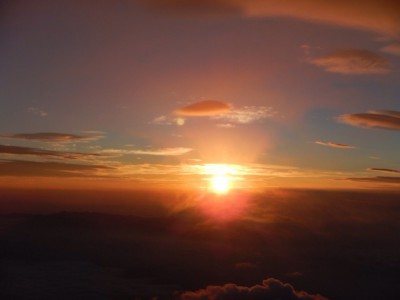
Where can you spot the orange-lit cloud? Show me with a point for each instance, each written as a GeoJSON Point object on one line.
{"type": "Point", "coordinates": [392, 49]}
{"type": "Point", "coordinates": [334, 145]}
{"type": "Point", "coordinates": [204, 108]}
{"type": "Point", "coordinates": [380, 16]}
{"type": "Point", "coordinates": [270, 289]}
{"type": "Point", "coordinates": [17, 150]}
{"type": "Point", "coordinates": [384, 170]}
{"type": "Point", "coordinates": [384, 119]}
{"type": "Point", "coordinates": [172, 151]}
{"type": "Point", "coordinates": [51, 137]}
{"type": "Point", "coordinates": [247, 114]}
{"type": "Point", "coordinates": [353, 62]}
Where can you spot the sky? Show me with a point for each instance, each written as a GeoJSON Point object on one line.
{"type": "Point", "coordinates": [134, 94]}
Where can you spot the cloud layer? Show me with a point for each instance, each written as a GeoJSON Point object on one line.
{"type": "Point", "coordinates": [204, 108]}
{"type": "Point", "coordinates": [271, 289]}
{"type": "Point", "coordinates": [173, 151]}
{"type": "Point", "coordinates": [353, 62]}
{"type": "Point", "coordinates": [334, 145]}
{"type": "Point", "coordinates": [380, 16]}
{"type": "Point", "coordinates": [385, 119]}
{"type": "Point", "coordinates": [51, 137]}
{"type": "Point", "coordinates": [392, 49]}
{"type": "Point", "coordinates": [245, 115]}
{"type": "Point", "coordinates": [17, 150]}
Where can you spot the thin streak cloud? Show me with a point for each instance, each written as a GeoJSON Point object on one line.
{"type": "Point", "coordinates": [384, 170]}
{"type": "Point", "coordinates": [334, 145]}
{"type": "Point", "coordinates": [173, 151]}
{"type": "Point", "coordinates": [51, 137]}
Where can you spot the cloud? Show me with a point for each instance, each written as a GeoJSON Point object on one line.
{"type": "Point", "coordinates": [50, 169]}
{"type": "Point", "coordinates": [353, 62]}
{"type": "Point", "coordinates": [51, 137]}
{"type": "Point", "coordinates": [392, 49]}
{"type": "Point", "coordinates": [37, 111]}
{"type": "Point", "coordinates": [271, 289]}
{"type": "Point", "coordinates": [380, 16]}
{"type": "Point", "coordinates": [385, 119]}
{"type": "Point", "coordinates": [334, 145]}
{"type": "Point", "coordinates": [166, 120]}
{"type": "Point", "coordinates": [173, 151]}
{"type": "Point", "coordinates": [204, 108]}
{"type": "Point", "coordinates": [245, 115]}
{"type": "Point", "coordinates": [17, 150]}
{"type": "Point", "coordinates": [384, 170]}
{"type": "Point", "coordinates": [378, 179]}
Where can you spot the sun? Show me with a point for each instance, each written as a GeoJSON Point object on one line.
{"type": "Point", "coordinates": [220, 184]}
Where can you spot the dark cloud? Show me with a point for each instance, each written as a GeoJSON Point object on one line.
{"type": "Point", "coordinates": [384, 119]}
{"type": "Point", "coordinates": [271, 289]}
{"type": "Point", "coordinates": [334, 145]}
{"type": "Point", "coordinates": [17, 150]}
{"type": "Point", "coordinates": [51, 137]}
{"type": "Point", "coordinates": [49, 169]}
{"type": "Point", "coordinates": [204, 108]}
{"type": "Point", "coordinates": [384, 170]}
{"type": "Point", "coordinates": [377, 179]}
{"type": "Point", "coordinates": [353, 62]}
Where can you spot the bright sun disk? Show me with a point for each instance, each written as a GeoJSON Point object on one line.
{"type": "Point", "coordinates": [220, 184]}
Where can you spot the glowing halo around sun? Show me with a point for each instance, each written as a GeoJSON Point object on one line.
{"type": "Point", "coordinates": [222, 177]}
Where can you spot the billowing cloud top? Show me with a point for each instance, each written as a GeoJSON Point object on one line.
{"type": "Point", "coordinates": [51, 137]}
{"type": "Point", "coordinates": [353, 61]}
{"type": "Point", "coordinates": [381, 16]}
{"type": "Point", "coordinates": [271, 289]}
{"type": "Point", "coordinates": [334, 145]}
{"type": "Point", "coordinates": [204, 108]}
{"type": "Point", "coordinates": [385, 119]}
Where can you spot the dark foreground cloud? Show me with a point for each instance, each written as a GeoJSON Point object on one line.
{"type": "Point", "coordinates": [17, 150]}
{"type": "Point", "coordinates": [52, 137]}
{"type": "Point", "coordinates": [50, 169]}
{"type": "Point", "coordinates": [353, 62]}
{"type": "Point", "coordinates": [384, 170]}
{"type": "Point", "coordinates": [385, 119]}
{"type": "Point", "coordinates": [334, 145]}
{"type": "Point", "coordinates": [204, 108]}
{"type": "Point", "coordinates": [271, 289]}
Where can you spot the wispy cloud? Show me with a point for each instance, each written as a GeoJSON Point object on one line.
{"type": "Point", "coordinates": [271, 288]}
{"type": "Point", "coordinates": [385, 119]}
{"type": "Point", "coordinates": [392, 49]}
{"type": "Point", "coordinates": [384, 170]}
{"type": "Point", "coordinates": [172, 151]}
{"type": "Point", "coordinates": [37, 111]}
{"type": "Point", "coordinates": [380, 16]}
{"type": "Point", "coordinates": [353, 62]}
{"type": "Point", "coordinates": [17, 150]}
{"type": "Point", "coordinates": [204, 108]}
{"type": "Point", "coordinates": [168, 120]}
{"type": "Point", "coordinates": [247, 114]}
{"type": "Point", "coordinates": [334, 145]}
{"type": "Point", "coordinates": [51, 137]}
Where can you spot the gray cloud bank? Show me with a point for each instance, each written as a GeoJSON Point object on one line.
{"type": "Point", "coordinates": [271, 289]}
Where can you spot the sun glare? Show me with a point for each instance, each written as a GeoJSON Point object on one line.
{"type": "Point", "coordinates": [220, 184]}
